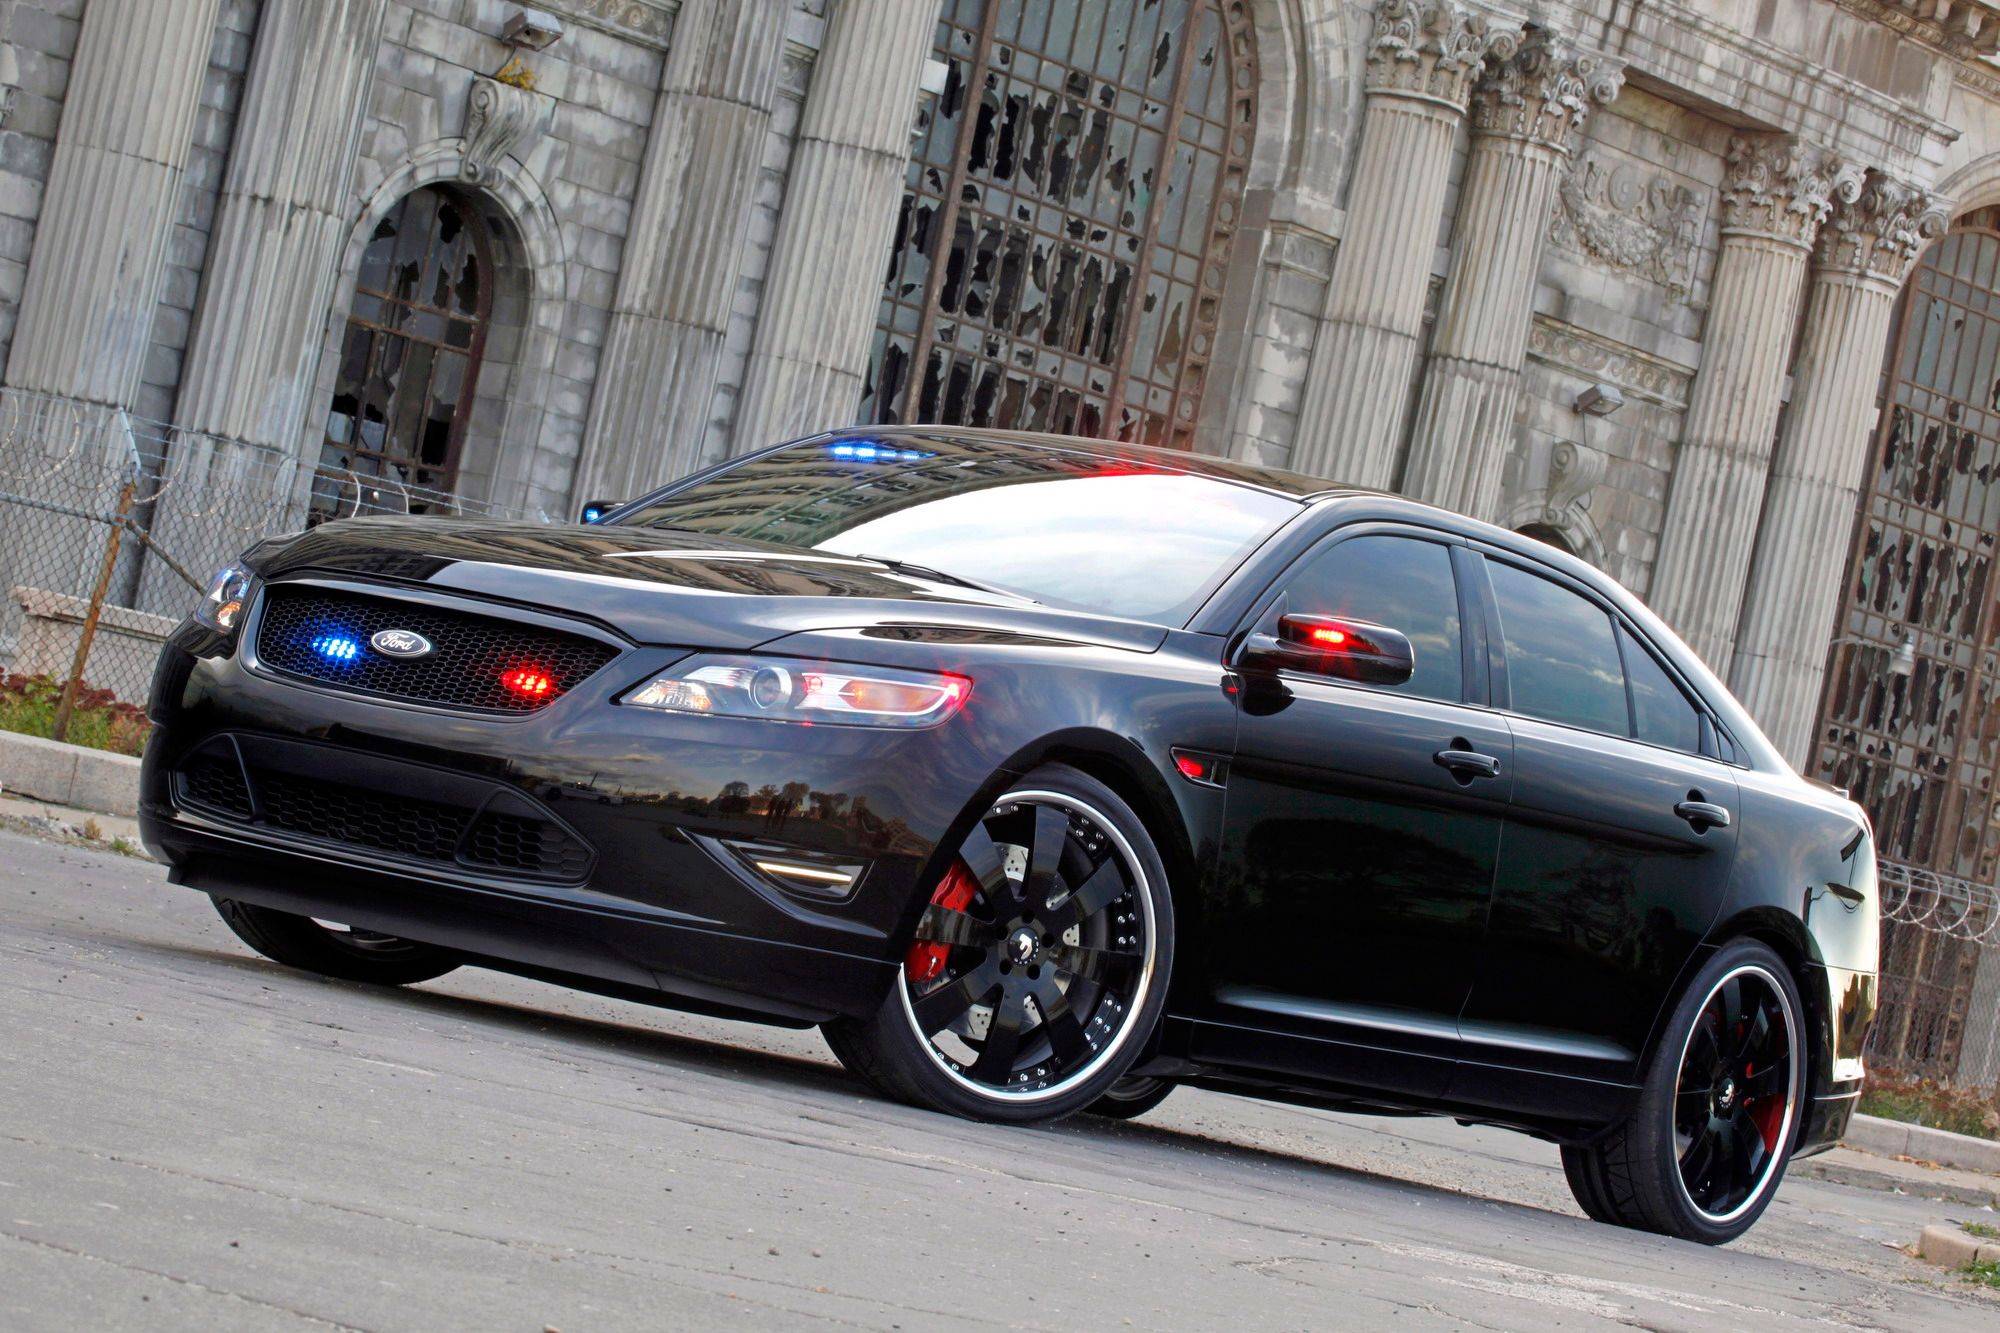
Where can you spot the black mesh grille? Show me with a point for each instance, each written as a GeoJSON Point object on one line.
{"type": "Point", "coordinates": [214, 782]}
{"type": "Point", "coordinates": [421, 830]}
{"type": "Point", "coordinates": [472, 831]}
{"type": "Point", "coordinates": [323, 635]}
{"type": "Point", "coordinates": [530, 846]}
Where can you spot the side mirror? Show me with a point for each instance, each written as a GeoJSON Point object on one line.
{"type": "Point", "coordinates": [1342, 649]}
{"type": "Point", "coordinates": [595, 510]}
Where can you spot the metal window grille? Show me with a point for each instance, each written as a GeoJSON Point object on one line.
{"type": "Point", "coordinates": [1066, 225]}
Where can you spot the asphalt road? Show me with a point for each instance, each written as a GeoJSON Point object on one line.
{"type": "Point", "coordinates": [191, 1137]}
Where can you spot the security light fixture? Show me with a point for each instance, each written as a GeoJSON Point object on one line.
{"type": "Point", "coordinates": [1599, 400]}
{"type": "Point", "coordinates": [1903, 662]}
{"type": "Point", "coordinates": [532, 30]}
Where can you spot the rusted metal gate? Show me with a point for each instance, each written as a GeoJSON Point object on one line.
{"type": "Point", "coordinates": [1066, 225]}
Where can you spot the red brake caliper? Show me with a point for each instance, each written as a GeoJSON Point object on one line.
{"type": "Point", "coordinates": [927, 957]}
{"type": "Point", "coordinates": [1768, 1115]}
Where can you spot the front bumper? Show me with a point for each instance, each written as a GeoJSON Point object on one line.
{"type": "Point", "coordinates": [652, 908]}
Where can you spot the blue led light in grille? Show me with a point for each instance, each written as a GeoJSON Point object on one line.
{"type": "Point", "coordinates": [336, 647]}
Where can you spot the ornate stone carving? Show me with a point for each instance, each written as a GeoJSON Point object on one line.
{"type": "Point", "coordinates": [1620, 217]}
{"type": "Point", "coordinates": [500, 121]}
{"type": "Point", "coordinates": [646, 20]}
{"type": "Point", "coordinates": [1589, 356]}
{"type": "Point", "coordinates": [1780, 186]}
{"type": "Point", "coordinates": [1433, 48]}
{"type": "Point", "coordinates": [1881, 230]}
{"type": "Point", "coordinates": [1574, 471]}
{"type": "Point", "coordinates": [1544, 90]}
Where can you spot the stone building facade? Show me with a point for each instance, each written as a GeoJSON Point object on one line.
{"type": "Point", "coordinates": [521, 256]}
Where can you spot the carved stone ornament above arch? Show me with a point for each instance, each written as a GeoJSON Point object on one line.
{"type": "Point", "coordinates": [501, 120]}
{"type": "Point", "coordinates": [1563, 502]}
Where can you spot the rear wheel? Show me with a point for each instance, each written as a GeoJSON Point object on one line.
{"type": "Point", "coordinates": [1705, 1149]}
{"type": "Point", "coordinates": [1038, 968]}
{"type": "Point", "coordinates": [333, 950]}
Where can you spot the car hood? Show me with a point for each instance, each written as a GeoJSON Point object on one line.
{"type": "Point", "coordinates": [668, 587]}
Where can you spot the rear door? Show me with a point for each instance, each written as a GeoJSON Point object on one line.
{"type": "Point", "coordinates": [1609, 873]}
{"type": "Point", "coordinates": [1356, 867]}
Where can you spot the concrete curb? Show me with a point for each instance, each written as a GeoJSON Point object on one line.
{"type": "Point", "coordinates": [1859, 1177]}
{"type": "Point", "coordinates": [1953, 1248]}
{"type": "Point", "coordinates": [71, 775]}
{"type": "Point", "coordinates": [1893, 1138]}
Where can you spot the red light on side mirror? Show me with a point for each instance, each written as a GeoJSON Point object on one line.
{"type": "Point", "coordinates": [1340, 648]}
{"type": "Point", "coordinates": [1319, 632]}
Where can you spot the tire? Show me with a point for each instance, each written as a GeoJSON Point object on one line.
{"type": "Point", "coordinates": [1131, 1098]}
{"type": "Point", "coordinates": [351, 955]}
{"type": "Point", "coordinates": [1706, 1146]}
{"type": "Point", "coordinates": [1039, 968]}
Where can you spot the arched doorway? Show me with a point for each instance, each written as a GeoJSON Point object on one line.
{"type": "Point", "coordinates": [1070, 205]}
{"type": "Point", "coordinates": [1549, 535]}
{"type": "Point", "coordinates": [409, 362]}
{"type": "Point", "coordinates": [1921, 751]}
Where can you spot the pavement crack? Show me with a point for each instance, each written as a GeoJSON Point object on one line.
{"type": "Point", "coordinates": [188, 1282]}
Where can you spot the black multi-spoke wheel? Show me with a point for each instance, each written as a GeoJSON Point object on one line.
{"type": "Point", "coordinates": [331, 949]}
{"type": "Point", "coordinates": [1702, 1155]}
{"type": "Point", "coordinates": [1038, 966]}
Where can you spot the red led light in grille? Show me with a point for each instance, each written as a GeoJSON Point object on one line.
{"type": "Point", "coordinates": [530, 682]}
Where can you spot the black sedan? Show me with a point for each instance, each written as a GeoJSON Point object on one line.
{"type": "Point", "coordinates": [1045, 775]}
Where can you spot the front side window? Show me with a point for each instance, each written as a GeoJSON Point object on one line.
{"type": "Point", "coordinates": [1562, 657]}
{"type": "Point", "coordinates": [1401, 582]}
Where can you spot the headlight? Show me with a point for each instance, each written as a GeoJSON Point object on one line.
{"type": "Point", "coordinates": [792, 691]}
{"type": "Point", "coordinates": [223, 604]}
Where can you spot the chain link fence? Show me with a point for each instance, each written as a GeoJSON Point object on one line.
{"type": "Point", "coordinates": [110, 526]}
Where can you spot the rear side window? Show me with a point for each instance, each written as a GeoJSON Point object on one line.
{"type": "Point", "coordinates": [1562, 654]}
{"type": "Point", "coordinates": [1661, 714]}
{"type": "Point", "coordinates": [1400, 582]}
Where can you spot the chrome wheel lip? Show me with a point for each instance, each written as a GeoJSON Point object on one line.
{"type": "Point", "coordinates": [1141, 991]}
{"type": "Point", "coordinates": [1778, 1155]}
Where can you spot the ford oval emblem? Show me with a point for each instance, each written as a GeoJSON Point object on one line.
{"type": "Point", "coordinates": [400, 643]}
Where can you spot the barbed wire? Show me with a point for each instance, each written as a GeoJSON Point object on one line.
{"type": "Point", "coordinates": [1942, 904]}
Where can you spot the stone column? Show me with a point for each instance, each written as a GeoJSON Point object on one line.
{"type": "Point", "coordinates": [282, 222]}
{"type": "Point", "coordinates": [1423, 56]}
{"type": "Point", "coordinates": [1793, 601]}
{"type": "Point", "coordinates": [650, 409]}
{"type": "Point", "coordinates": [1774, 196]}
{"type": "Point", "coordinates": [114, 191]}
{"type": "Point", "coordinates": [1525, 114]}
{"type": "Point", "coordinates": [824, 286]}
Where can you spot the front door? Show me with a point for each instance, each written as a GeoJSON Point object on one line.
{"type": "Point", "coordinates": [1608, 877]}
{"type": "Point", "coordinates": [1356, 866]}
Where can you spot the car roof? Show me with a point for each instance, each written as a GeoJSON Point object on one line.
{"type": "Point", "coordinates": [1276, 481]}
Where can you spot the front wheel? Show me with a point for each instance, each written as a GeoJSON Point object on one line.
{"type": "Point", "coordinates": [1703, 1152]}
{"type": "Point", "coordinates": [1131, 1097]}
{"type": "Point", "coordinates": [1038, 968]}
{"type": "Point", "coordinates": [334, 951]}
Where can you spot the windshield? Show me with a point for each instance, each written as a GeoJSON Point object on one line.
{"type": "Point", "coordinates": [1066, 529]}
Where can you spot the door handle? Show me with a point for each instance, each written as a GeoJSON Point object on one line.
{"type": "Point", "coordinates": [1468, 764]}
{"type": "Point", "coordinates": [1703, 815]}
